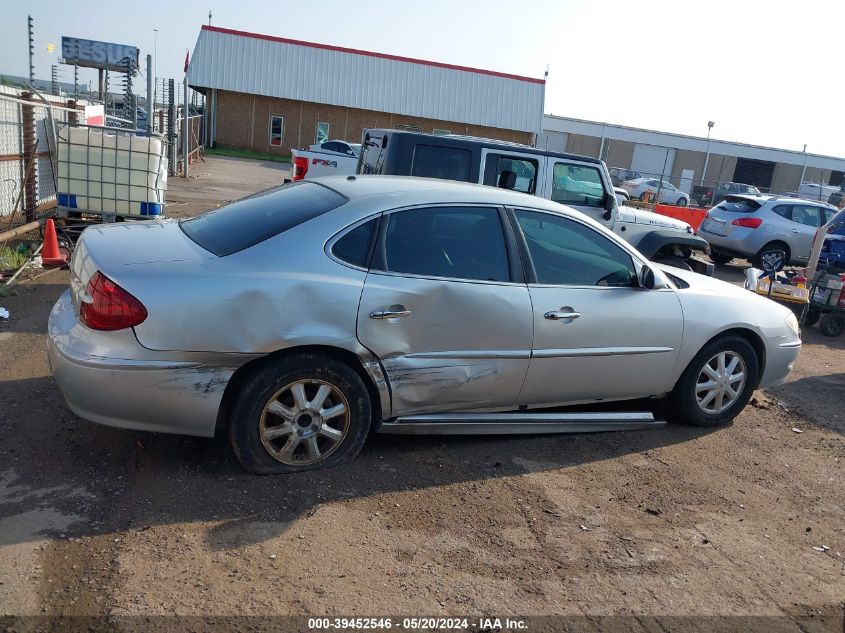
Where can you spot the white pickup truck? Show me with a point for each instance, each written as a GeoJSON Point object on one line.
{"type": "Point", "coordinates": [331, 158]}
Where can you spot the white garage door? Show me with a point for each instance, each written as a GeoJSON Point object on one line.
{"type": "Point", "coordinates": [649, 160]}
{"type": "Point", "coordinates": [552, 141]}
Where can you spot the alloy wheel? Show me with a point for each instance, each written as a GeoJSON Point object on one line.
{"type": "Point", "coordinates": [720, 382]}
{"type": "Point", "coordinates": [773, 260]}
{"type": "Point", "coordinates": [304, 422]}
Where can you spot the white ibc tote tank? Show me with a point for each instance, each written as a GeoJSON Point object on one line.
{"type": "Point", "coordinates": [105, 171]}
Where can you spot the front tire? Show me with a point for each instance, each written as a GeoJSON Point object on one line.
{"type": "Point", "coordinates": [682, 202]}
{"type": "Point", "coordinates": [719, 258]}
{"type": "Point", "coordinates": [717, 384]}
{"type": "Point", "coordinates": [298, 413]}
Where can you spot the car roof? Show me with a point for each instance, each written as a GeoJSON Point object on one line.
{"type": "Point", "coordinates": [431, 190]}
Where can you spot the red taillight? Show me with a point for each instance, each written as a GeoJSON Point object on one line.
{"type": "Point", "coordinates": [300, 167]}
{"type": "Point", "coordinates": [748, 223]}
{"type": "Point", "coordinates": [111, 307]}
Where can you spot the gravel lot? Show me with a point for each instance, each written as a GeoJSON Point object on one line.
{"type": "Point", "coordinates": [747, 520]}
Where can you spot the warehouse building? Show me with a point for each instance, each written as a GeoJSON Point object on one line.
{"type": "Point", "coordinates": [271, 94]}
{"type": "Point", "coordinates": [687, 161]}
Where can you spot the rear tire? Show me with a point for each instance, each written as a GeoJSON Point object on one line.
{"type": "Point", "coordinates": [298, 413]}
{"type": "Point", "coordinates": [682, 202]}
{"type": "Point", "coordinates": [812, 318]}
{"type": "Point", "coordinates": [776, 253]}
{"type": "Point", "coordinates": [719, 258]}
{"type": "Point", "coordinates": [712, 392]}
{"type": "Point", "coordinates": [832, 324]}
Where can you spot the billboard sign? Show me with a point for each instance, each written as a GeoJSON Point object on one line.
{"type": "Point", "coordinates": [93, 54]}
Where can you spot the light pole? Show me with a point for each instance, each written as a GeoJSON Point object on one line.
{"type": "Point", "coordinates": [804, 169]}
{"type": "Point", "coordinates": [710, 125]}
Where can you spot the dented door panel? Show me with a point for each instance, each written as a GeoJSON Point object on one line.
{"type": "Point", "coordinates": [462, 345]}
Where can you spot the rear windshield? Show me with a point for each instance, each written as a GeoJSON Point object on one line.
{"type": "Point", "coordinates": [252, 220]}
{"type": "Point", "coordinates": [739, 205]}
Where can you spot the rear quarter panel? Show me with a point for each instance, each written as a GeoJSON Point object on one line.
{"type": "Point", "coordinates": [283, 292]}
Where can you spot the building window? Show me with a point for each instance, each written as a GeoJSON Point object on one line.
{"type": "Point", "coordinates": [277, 130]}
{"type": "Point", "coordinates": [322, 133]}
{"type": "Point", "coordinates": [440, 132]}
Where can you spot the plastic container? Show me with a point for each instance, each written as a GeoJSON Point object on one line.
{"type": "Point", "coordinates": [101, 170]}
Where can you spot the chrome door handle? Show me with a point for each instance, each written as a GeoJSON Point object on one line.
{"type": "Point", "coordinates": [795, 231]}
{"type": "Point", "coordinates": [390, 314]}
{"type": "Point", "coordinates": [557, 315]}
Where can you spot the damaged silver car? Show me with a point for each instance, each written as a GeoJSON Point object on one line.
{"type": "Point", "coordinates": [301, 318]}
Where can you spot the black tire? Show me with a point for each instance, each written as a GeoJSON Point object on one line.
{"type": "Point", "coordinates": [719, 258]}
{"type": "Point", "coordinates": [771, 247]}
{"type": "Point", "coordinates": [832, 324]}
{"type": "Point", "coordinates": [811, 318]}
{"type": "Point", "coordinates": [682, 202]}
{"type": "Point", "coordinates": [266, 382]}
{"type": "Point", "coordinates": [677, 262]}
{"type": "Point", "coordinates": [683, 403]}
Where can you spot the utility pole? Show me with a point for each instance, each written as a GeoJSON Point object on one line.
{"type": "Point", "coordinates": [209, 17]}
{"type": "Point", "coordinates": [31, 49]}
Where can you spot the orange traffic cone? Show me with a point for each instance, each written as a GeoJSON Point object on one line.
{"type": "Point", "coordinates": [50, 255]}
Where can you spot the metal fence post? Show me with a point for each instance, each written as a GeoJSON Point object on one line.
{"type": "Point", "coordinates": [150, 104]}
{"type": "Point", "coordinates": [172, 137]}
{"type": "Point", "coordinates": [30, 160]}
{"type": "Point", "coordinates": [186, 132]}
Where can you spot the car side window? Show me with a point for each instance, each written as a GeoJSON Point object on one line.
{"type": "Point", "coordinates": [806, 215]}
{"type": "Point", "coordinates": [454, 242]}
{"type": "Point", "coordinates": [577, 184]}
{"type": "Point", "coordinates": [828, 215]}
{"type": "Point", "coordinates": [567, 253]}
{"type": "Point", "coordinates": [354, 247]}
{"type": "Point", "coordinates": [783, 210]}
{"type": "Point", "coordinates": [511, 172]}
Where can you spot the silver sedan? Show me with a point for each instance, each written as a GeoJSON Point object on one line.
{"type": "Point", "coordinates": [300, 318]}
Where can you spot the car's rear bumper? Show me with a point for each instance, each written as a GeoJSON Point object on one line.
{"type": "Point", "coordinates": [728, 246]}
{"type": "Point", "coordinates": [168, 396]}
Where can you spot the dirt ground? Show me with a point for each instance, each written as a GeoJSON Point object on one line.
{"type": "Point", "coordinates": [146, 531]}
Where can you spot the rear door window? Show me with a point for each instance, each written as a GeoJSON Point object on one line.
{"type": "Point", "coordinates": [517, 173]}
{"type": "Point", "coordinates": [447, 163]}
{"type": "Point", "coordinates": [248, 222]}
{"type": "Point", "coordinates": [452, 242]}
{"type": "Point", "coordinates": [806, 215]}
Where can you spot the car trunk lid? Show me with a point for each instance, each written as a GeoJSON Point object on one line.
{"type": "Point", "coordinates": [107, 248]}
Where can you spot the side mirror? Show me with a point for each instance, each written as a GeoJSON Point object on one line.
{"type": "Point", "coordinates": [609, 203]}
{"type": "Point", "coordinates": [652, 279]}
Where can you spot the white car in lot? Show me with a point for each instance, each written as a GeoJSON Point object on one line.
{"type": "Point", "coordinates": [669, 193]}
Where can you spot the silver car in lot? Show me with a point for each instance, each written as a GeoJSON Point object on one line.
{"type": "Point", "coordinates": [770, 231]}
{"type": "Point", "coordinates": [299, 319]}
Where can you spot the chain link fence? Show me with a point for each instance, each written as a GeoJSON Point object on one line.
{"type": "Point", "coordinates": [27, 141]}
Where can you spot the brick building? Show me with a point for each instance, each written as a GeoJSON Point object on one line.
{"type": "Point", "coordinates": [271, 94]}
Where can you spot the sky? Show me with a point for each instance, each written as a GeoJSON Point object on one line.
{"type": "Point", "coordinates": [767, 73]}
